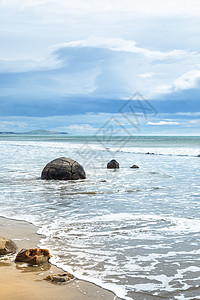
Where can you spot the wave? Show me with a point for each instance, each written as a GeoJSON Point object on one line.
{"type": "Point", "coordinates": [91, 147]}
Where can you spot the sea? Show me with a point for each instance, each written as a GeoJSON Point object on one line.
{"type": "Point", "coordinates": [133, 231]}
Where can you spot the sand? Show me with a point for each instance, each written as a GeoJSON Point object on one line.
{"type": "Point", "coordinates": [20, 281]}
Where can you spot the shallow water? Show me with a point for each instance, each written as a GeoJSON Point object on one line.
{"type": "Point", "coordinates": [134, 231]}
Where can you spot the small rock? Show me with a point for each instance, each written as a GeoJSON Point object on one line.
{"type": "Point", "coordinates": [7, 246]}
{"type": "Point", "coordinates": [150, 153]}
{"type": "Point", "coordinates": [63, 169]}
{"type": "Point", "coordinates": [134, 167]}
{"type": "Point", "coordinates": [35, 256]}
{"type": "Point", "coordinates": [113, 164]}
{"type": "Point", "coordinates": [60, 278]}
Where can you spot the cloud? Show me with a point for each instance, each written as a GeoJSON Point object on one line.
{"type": "Point", "coordinates": [187, 81]}
{"type": "Point", "coordinates": [123, 64]}
{"type": "Point", "coordinates": [81, 128]}
{"type": "Point", "coordinates": [24, 65]}
{"type": "Point", "coordinates": [83, 124]}
{"type": "Point", "coordinates": [74, 57]}
{"type": "Point", "coordinates": [195, 121]}
{"type": "Point", "coordinates": [91, 72]}
{"type": "Point", "coordinates": [146, 75]}
{"type": "Point", "coordinates": [144, 7]}
{"type": "Point", "coordinates": [188, 114]}
{"type": "Point", "coordinates": [161, 123]}
{"type": "Point", "coordinates": [121, 45]}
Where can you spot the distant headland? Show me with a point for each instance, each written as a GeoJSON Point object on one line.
{"type": "Point", "coordinates": [33, 132]}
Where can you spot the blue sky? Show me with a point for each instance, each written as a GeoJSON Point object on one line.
{"type": "Point", "coordinates": [72, 65]}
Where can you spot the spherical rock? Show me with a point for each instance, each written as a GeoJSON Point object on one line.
{"type": "Point", "coordinates": [63, 169]}
{"type": "Point", "coordinates": [7, 246]}
{"type": "Point", "coordinates": [113, 164]}
{"type": "Point", "coordinates": [134, 167]}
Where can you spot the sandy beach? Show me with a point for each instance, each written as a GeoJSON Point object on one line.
{"type": "Point", "coordinates": [20, 281]}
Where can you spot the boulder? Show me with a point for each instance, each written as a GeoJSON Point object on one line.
{"type": "Point", "coordinates": [63, 169]}
{"type": "Point", "coordinates": [7, 246]}
{"type": "Point", "coordinates": [113, 164]}
{"type": "Point", "coordinates": [60, 278]}
{"type": "Point", "coordinates": [35, 256]}
{"type": "Point", "coordinates": [134, 167]}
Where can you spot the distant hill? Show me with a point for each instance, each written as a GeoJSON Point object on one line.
{"type": "Point", "coordinates": [7, 132]}
{"type": "Point", "coordinates": [34, 132]}
{"type": "Point", "coordinates": [42, 132]}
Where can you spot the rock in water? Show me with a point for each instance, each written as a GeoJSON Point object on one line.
{"type": "Point", "coordinates": [113, 164]}
{"type": "Point", "coordinates": [7, 246]}
{"type": "Point", "coordinates": [63, 169]}
{"type": "Point", "coordinates": [35, 256]}
{"type": "Point", "coordinates": [134, 167]}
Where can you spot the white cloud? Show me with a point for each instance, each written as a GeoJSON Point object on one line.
{"type": "Point", "coordinates": [187, 81]}
{"type": "Point", "coordinates": [160, 123]}
{"type": "Point", "coordinates": [109, 75]}
{"type": "Point", "coordinates": [84, 124]}
{"type": "Point", "coordinates": [158, 8]}
{"type": "Point", "coordinates": [146, 75]}
{"type": "Point", "coordinates": [11, 65]}
{"type": "Point", "coordinates": [122, 45]}
{"type": "Point", "coordinates": [162, 89]}
{"type": "Point", "coordinates": [163, 70]}
{"type": "Point", "coordinates": [188, 114]}
{"type": "Point", "coordinates": [195, 121]}
{"type": "Point", "coordinates": [81, 128]}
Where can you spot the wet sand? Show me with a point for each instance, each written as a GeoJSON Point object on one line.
{"type": "Point", "coordinates": [20, 281]}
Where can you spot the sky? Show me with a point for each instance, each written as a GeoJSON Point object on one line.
{"type": "Point", "coordinates": [76, 66]}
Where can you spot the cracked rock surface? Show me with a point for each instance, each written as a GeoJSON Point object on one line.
{"type": "Point", "coordinates": [63, 169]}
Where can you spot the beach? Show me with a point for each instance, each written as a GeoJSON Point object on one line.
{"type": "Point", "coordinates": [20, 281]}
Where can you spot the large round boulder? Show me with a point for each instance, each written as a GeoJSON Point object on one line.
{"type": "Point", "coordinates": [63, 169]}
{"type": "Point", "coordinates": [113, 164]}
{"type": "Point", "coordinates": [7, 246]}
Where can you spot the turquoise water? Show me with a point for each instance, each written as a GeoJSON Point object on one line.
{"type": "Point", "coordinates": [134, 231]}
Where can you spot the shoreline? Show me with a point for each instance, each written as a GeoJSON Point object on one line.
{"type": "Point", "coordinates": [20, 281]}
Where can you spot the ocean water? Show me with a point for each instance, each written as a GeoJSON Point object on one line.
{"type": "Point", "coordinates": [133, 231]}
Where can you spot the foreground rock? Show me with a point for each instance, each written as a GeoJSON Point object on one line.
{"type": "Point", "coordinates": [60, 278]}
{"type": "Point", "coordinates": [113, 164]}
{"type": "Point", "coordinates": [134, 167]}
{"type": "Point", "coordinates": [35, 256]}
{"type": "Point", "coordinates": [63, 169]}
{"type": "Point", "coordinates": [7, 246]}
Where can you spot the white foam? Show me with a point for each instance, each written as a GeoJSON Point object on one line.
{"type": "Point", "coordinates": [119, 291]}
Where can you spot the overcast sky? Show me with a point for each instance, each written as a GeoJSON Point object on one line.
{"type": "Point", "coordinates": [69, 65]}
